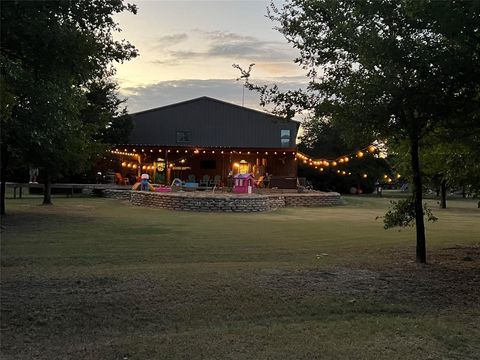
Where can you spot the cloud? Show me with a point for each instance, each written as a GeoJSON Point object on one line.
{"type": "Point", "coordinates": [170, 92]}
{"type": "Point", "coordinates": [169, 40]}
{"type": "Point", "coordinates": [220, 44]}
{"type": "Point", "coordinates": [227, 44]}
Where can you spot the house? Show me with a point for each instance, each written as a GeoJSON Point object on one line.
{"type": "Point", "coordinates": [209, 140]}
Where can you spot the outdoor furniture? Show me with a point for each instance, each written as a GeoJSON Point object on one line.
{"type": "Point", "coordinates": [191, 178]}
{"type": "Point", "coordinates": [283, 182]}
{"type": "Point", "coordinates": [259, 182]}
{"type": "Point", "coordinates": [120, 180]}
{"type": "Point", "coordinates": [205, 181]}
{"type": "Point", "coordinates": [216, 180]}
{"type": "Point", "coordinates": [190, 186]}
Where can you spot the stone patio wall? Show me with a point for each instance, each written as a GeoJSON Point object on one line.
{"type": "Point", "coordinates": [220, 202]}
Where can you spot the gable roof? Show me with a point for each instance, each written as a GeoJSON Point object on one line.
{"type": "Point", "coordinates": [208, 98]}
{"type": "Point", "coordinates": [211, 122]}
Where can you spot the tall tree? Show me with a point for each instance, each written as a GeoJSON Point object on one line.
{"type": "Point", "coordinates": [52, 53]}
{"type": "Point", "coordinates": [321, 139]}
{"type": "Point", "coordinates": [385, 69]}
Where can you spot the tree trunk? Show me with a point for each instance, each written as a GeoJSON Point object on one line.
{"type": "Point", "coordinates": [417, 197]}
{"type": "Point", "coordinates": [443, 188]}
{"type": "Point", "coordinates": [3, 177]}
{"type": "Point", "coordinates": [47, 191]}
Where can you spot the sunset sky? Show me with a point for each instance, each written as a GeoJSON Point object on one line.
{"type": "Point", "coordinates": [187, 49]}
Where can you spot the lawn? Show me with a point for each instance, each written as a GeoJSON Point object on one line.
{"type": "Point", "coordinates": [92, 278]}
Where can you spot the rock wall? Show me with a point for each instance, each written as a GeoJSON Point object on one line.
{"type": "Point", "coordinates": [225, 202]}
{"type": "Point", "coordinates": [117, 194]}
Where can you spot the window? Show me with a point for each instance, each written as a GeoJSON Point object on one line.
{"type": "Point", "coordinates": [208, 164]}
{"type": "Point", "coordinates": [285, 138]}
{"type": "Point", "coordinates": [184, 136]}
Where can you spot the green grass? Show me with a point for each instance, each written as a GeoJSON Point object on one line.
{"type": "Point", "coordinates": [94, 278]}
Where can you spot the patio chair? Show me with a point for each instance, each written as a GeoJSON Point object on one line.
{"type": "Point", "coordinates": [205, 180]}
{"type": "Point", "coordinates": [191, 178]}
{"type": "Point", "coordinates": [259, 182]}
{"type": "Point", "coordinates": [216, 180]}
{"type": "Point", "coordinates": [120, 180]}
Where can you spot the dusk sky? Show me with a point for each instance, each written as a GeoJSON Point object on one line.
{"type": "Point", "coordinates": [187, 49]}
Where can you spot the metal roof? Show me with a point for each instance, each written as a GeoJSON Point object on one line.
{"type": "Point", "coordinates": [205, 122]}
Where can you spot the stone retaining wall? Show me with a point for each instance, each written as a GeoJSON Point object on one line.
{"type": "Point", "coordinates": [225, 202]}
{"type": "Point", "coordinates": [312, 199]}
{"type": "Point", "coordinates": [117, 194]}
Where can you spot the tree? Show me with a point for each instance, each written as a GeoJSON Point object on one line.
{"type": "Point", "coordinates": [388, 70]}
{"type": "Point", "coordinates": [54, 55]}
{"type": "Point", "coordinates": [451, 159]}
{"type": "Point", "coordinates": [321, 139]}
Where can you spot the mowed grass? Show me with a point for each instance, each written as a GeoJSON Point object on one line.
{"type": "Point", "coordinates": [93, 278]}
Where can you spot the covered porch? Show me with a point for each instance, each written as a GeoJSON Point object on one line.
{"type": "Point", "coordinates": [207, 166]}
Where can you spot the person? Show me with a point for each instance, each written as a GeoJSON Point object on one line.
{"type": "Point", "coordinates": [33, 175]}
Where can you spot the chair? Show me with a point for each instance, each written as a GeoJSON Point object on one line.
{"type": "Point", "coordinates": [205, 180]}
{"type": "Point", "coordinates": [191, 178]}
{"type": "Point", "coordinates": [120, 180]}
{"type": "Point", "coordinates": [259, 182]}
{"type": "Point", "coordinates": [216, 180]}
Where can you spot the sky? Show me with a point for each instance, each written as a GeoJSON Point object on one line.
{"type": "Point", "coordinates": [187, 49]}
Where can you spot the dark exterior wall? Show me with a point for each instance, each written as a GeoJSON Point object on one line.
{"type": "Point", "coordinates": [212, 123]}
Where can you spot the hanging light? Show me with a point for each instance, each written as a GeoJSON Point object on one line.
{"type": "Point", "coordinates": [334, 163]}
{"type": "Point", "coordinates": [364, 176]}
{"type": "Point", "coordinates": [371, 148]}
{"type": "Point", "coordinates": [359, 154]}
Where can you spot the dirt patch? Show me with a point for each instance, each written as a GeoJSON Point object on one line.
{"type": "Point", "coordinates": [452, 280]}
